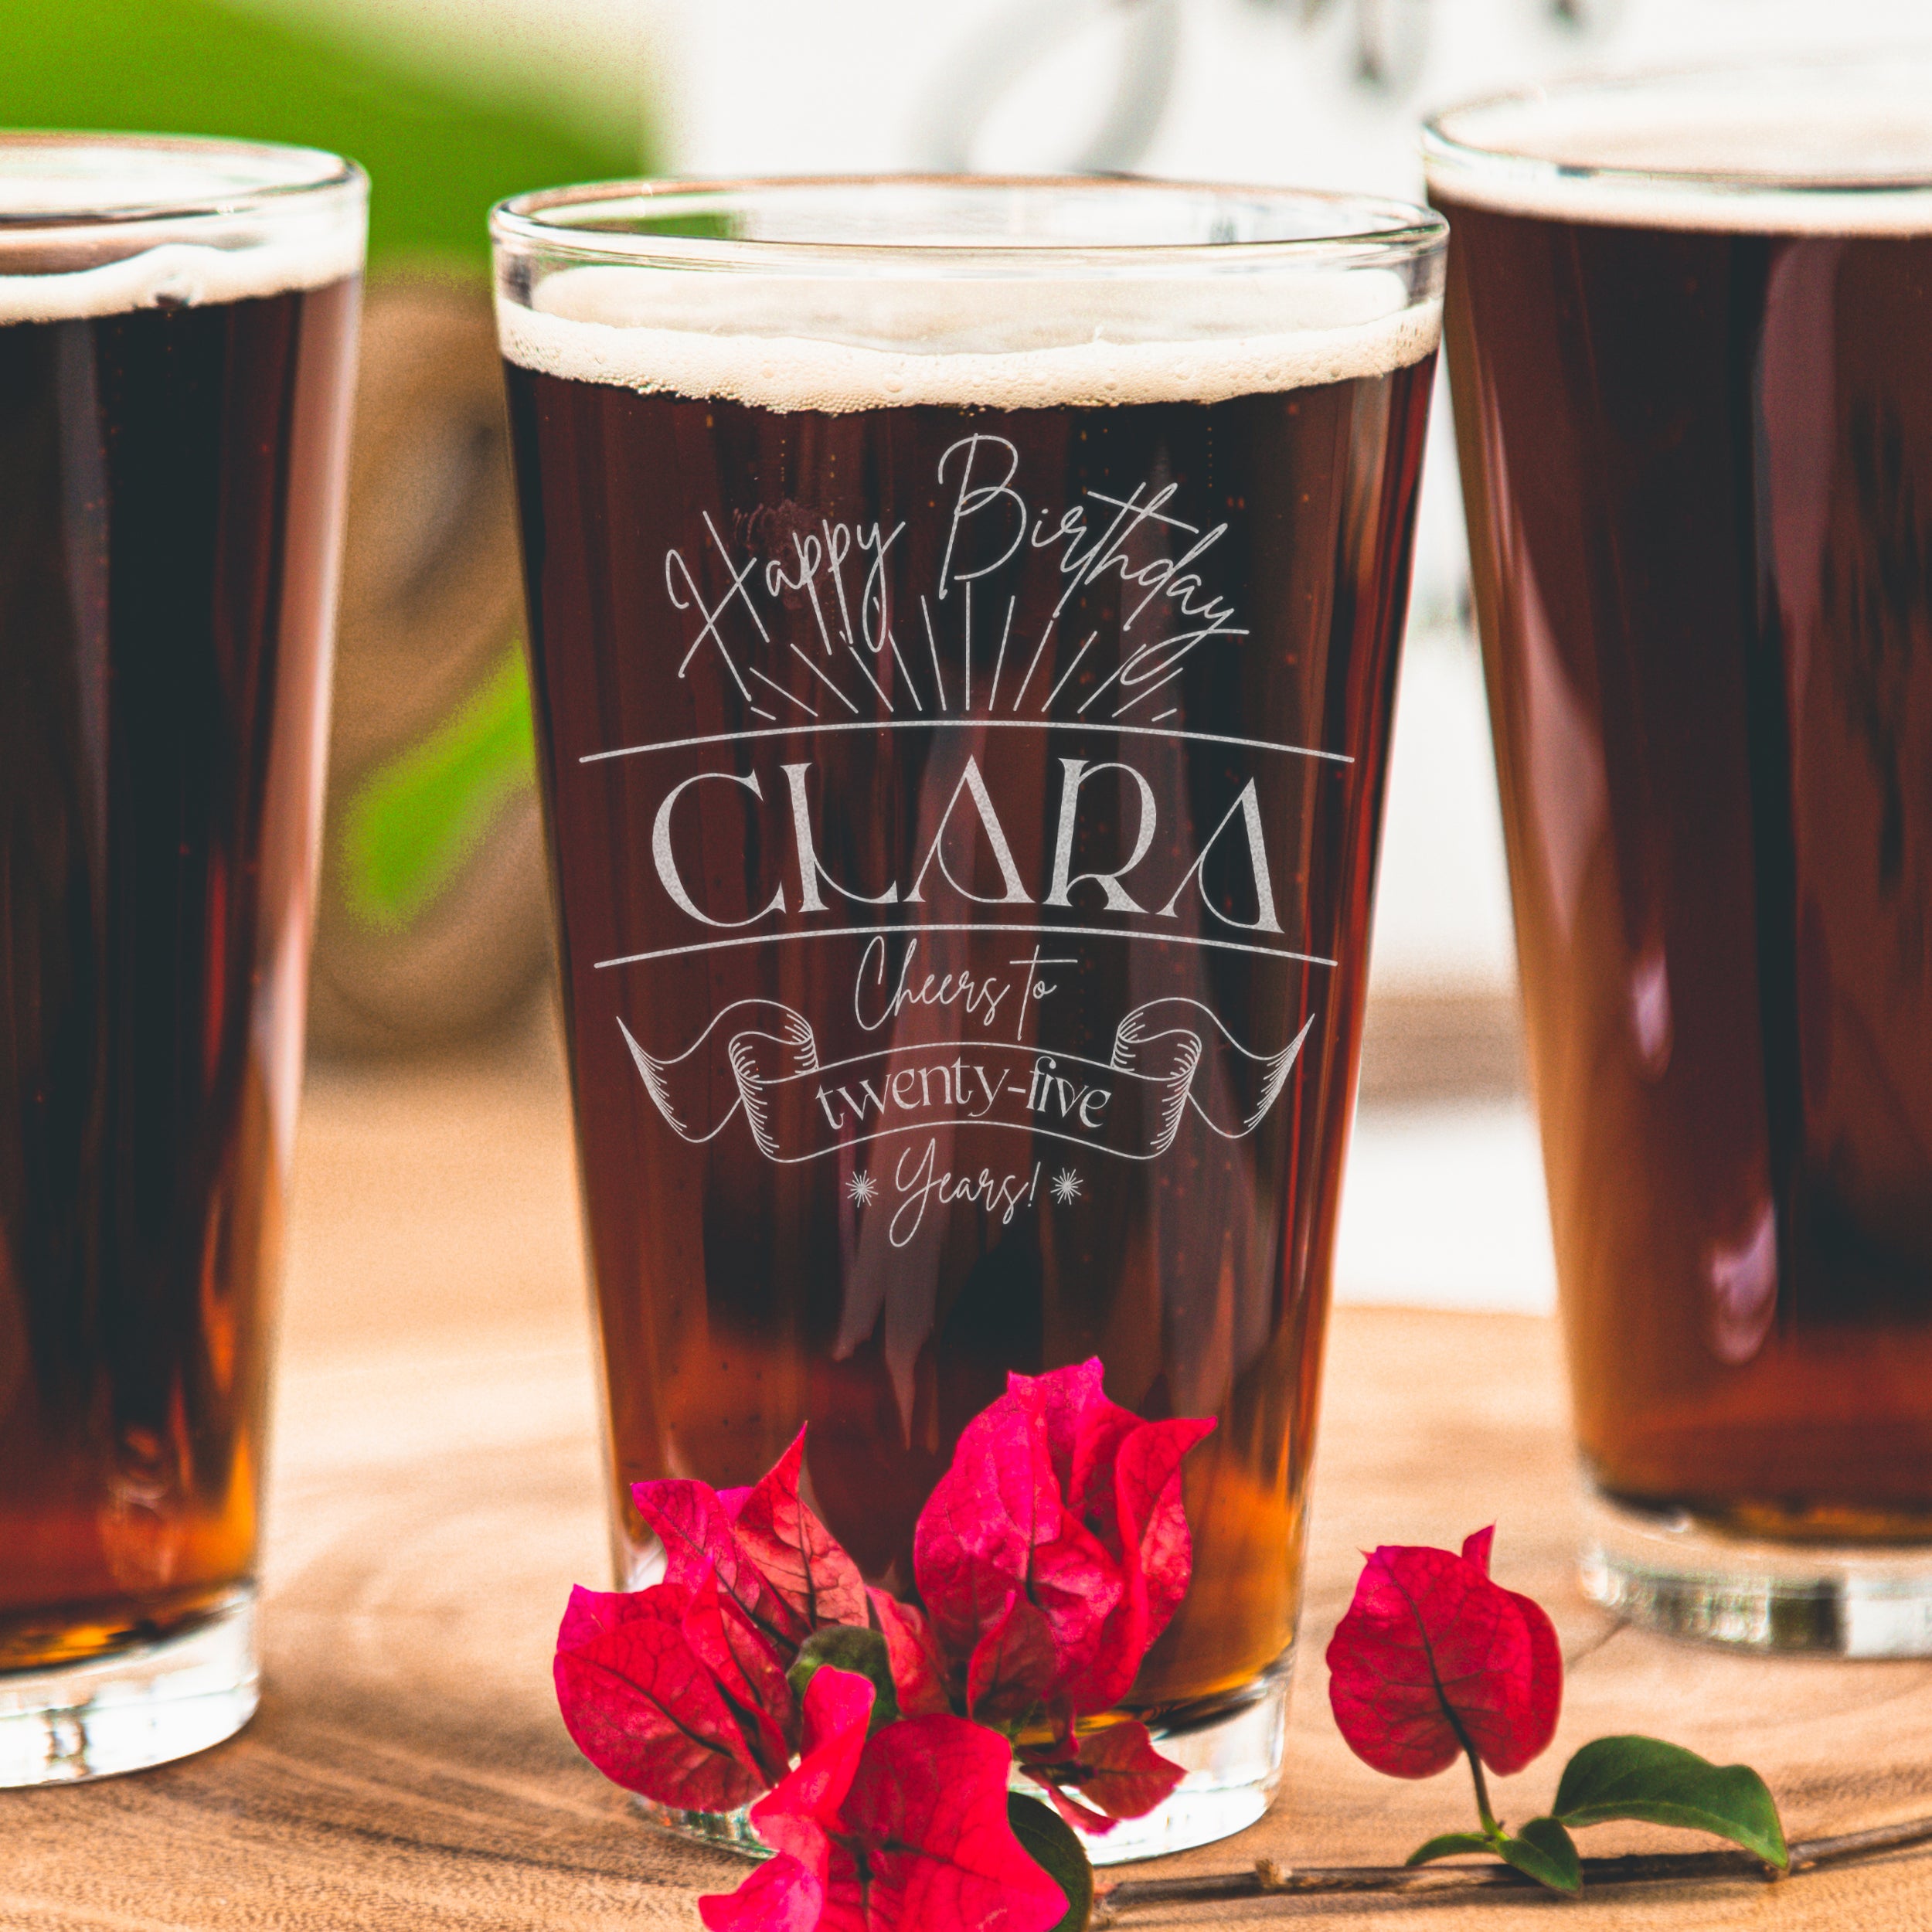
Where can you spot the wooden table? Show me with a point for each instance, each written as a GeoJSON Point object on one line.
{"type": "Point", "coordinates": [436, 1491]}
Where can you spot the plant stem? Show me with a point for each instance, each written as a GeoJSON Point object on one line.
{"type": "Point", "coordinates": [1267, 1879]}
{"type": "Point", "coordinates": [1491, 1827]}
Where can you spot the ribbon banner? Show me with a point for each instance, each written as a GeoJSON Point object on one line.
{"type": "Point", "coordinates": [1130, 1105]}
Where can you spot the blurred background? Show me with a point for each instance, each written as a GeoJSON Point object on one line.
{"type": "Point", "coordinates": [433, 935]}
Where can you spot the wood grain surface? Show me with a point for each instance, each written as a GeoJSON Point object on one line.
{"type": "Point", "coordinates": [436, 1492]}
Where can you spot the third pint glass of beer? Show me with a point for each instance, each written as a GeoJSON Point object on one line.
{"type": "Point", "coordinates": [1690, 328]}
{"type": "Point", "coordinates": [963, 619]}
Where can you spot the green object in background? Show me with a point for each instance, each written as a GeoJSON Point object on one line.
{"type": "Point", "coordinates": [437, 156]}
{"type": "Point", "coordinates": [441, 145]}
{"type": "Point", "coordinates": [408, 827]}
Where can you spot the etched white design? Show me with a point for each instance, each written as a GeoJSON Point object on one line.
{"type": "Point", "coordinates": [801, 1108]}
{"type": "Point", "coordinates": [1169, 609]}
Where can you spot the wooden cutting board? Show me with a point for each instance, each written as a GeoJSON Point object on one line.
{"type": "Point", "coordinates": [436, 1491]}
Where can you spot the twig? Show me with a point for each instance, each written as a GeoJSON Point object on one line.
{"type": "Point", "coordinates": [1267, 1879]}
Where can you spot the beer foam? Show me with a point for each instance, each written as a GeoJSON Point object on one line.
{"type": "Point", "coordinates": [989, 342]}
{"type": "Point", "coordinates": [1772, 153]}
{"type": "Point", "coordinates": [105, 225]}
{"type": "Point", "coordinates": [180, 272]}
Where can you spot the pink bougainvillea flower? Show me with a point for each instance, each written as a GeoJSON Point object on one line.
{"type": "Point", "coordinates": [700, 1539]}
{"type": "Point", "coordinates": [749, 1673]}
{"type": "Point", "coordinates": [1054, 1550]}
{"type": "Point", "coordinates": [1052, 1554]}
{"type": "Point", "coordinates": [929, 1806]}
{"type": "Point", "coordinates": [770, 1555]}
{"type": "Point", "coordinates": [794, 1551]}
{"type": "Point", "coordinates": [643, 1705]}
{"type": "Point", "coordinates": [1432, 1654]}
{"type": "Point", "coordinates": [798, 1817]}
{"type": "Point", "coordinates": [1017, 1666]}
{"type": "Point", "coordinates": [996, 1530]}
{"type": "Point", "coordinates": [1121, 1478]}
{"type": "Point", "coordinates": [1109, 1775]}
{"type": "Point", "coordinates": [905, 1832]}
{"type": "Point", "coordinates": [919, 1671]}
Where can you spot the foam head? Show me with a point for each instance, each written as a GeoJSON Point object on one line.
{"type": "Point", "coordinates": [1826, 148]}
{"type": "Point", "coordinates": [959, 316]}
{"type": "Point", "coordinates": [97, 225]}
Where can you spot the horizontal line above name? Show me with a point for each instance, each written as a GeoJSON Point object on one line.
{"type": "Point", "coordinates": [968, 724]}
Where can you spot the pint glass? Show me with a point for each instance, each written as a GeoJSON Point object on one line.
{"type": "Point", "coordinates": [1690, 330]}
{"type": "Point", "coordinates": [963, 620]}
{"type": "Point", "coordinates": [177, 327]}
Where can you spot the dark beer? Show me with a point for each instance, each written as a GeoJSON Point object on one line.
{"type": "Point", "coordinates": [963, 777]}
{"type": "Point", "coordinates": [1699, 465]}
{"type": "Point", "coordinates": [170, 489]}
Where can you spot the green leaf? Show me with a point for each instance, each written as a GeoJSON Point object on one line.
{"type": "Point", "coordinates": [1660, 1783]}
{"type": "Point", "coordinates": [1544, 1851]}
{"type": "Point", "coordinates": [1049, 1842]}
{"type": "Point", "coordinates": [1447, 1846]}
{"type": "Point", "coordinates": [846, 1647]}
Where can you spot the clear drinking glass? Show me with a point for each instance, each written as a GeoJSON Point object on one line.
{"type": "Point", "coordinates": [177, 336]}
{"type": "Point", "coordinates": [964, 618]}
{"type": "Point", "coordinates": [1690, 332]}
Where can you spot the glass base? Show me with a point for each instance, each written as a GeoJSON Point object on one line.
{"type": "Point", "coordinates": [145, 1706]}
{"type": "Point", "coordinates": [1671, 1571]}
{"type": "Point", "coordinates": [1231, 1756]}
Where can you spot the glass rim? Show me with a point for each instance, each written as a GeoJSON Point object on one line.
{"type": "Point", "coordinates": [1465, 157]}
{"type": "Point", "coordinates": [1383, 228]}
{"type": "Point", "coordinates": [282, 181]}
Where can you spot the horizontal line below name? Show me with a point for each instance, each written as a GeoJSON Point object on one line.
{"type": "Point", "coordinates": [983, 926]}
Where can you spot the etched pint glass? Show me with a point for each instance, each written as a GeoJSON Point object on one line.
{"type": "Point", "coordinates": [963, 619]}
{"type": "Point", "coordinates": [1691, 341]}
{"type": "Point", "coordinates": [177, 334]}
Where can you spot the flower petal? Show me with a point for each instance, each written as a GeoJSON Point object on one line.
{"type": "Point", "coordinates": [783, 1895]}
{"type": "Point", "coordinates": [919, 1671]}
{"type": "Point", "coordinates": [1117, 1772]}
{"type": "Point", "coordinates": [929, 1804]}
{"type": "Point", "coordinates": [973, 1543]}
{"type": "Point", "coordinates": [589, 1613]}
{"type": "Point", "coordinates": [1153, 1515]}
{"type": "Point", "coordinates": [748, 1670]}
{"type": "Point", "coordinates": [798, 1815]}
{"type": "Point", "coordinates": [699, 1539]}
{"type": "Point", "coordinates": [1014, 1667]}
{"type": "Point", "coordinates": [1431, 1651]}
{"type": "Point", "coordinates": [640, 1704]}
{"type": "Point", "coordinates": [1067, 1401]}
{"type": "Point", "coordinates": [1134, 1503]}
{"type": "Point", "coordinates": [1107, 1575]}
{"type": "Point", "coordinates": [798, 1555]}
{"type": "Point", "coordinates": [1536, 1723]}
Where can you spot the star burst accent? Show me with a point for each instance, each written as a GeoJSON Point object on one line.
{"type": "Point", "coordinates": [863, 1189]}
{"type": "Point", "coordinates": [1066, 1187]}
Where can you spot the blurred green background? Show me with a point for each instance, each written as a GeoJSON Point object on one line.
{"type": "Point", "coordinates": [433, 919]}
{"type": "Point", "coordinates": [439, 150]}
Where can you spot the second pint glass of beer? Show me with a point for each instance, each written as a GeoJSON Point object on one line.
{"type": "Point", "coordinates": [1690, 330]}
{"type": "Point", "coordinates": [963, 620]}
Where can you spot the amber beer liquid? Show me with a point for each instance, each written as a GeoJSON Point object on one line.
{"type": "Point", "coordinates": [1696, 430]}
{"type": "Point", "coordinates": [963, 773]}
{"type": "Point", "coordinates": [173, 417]}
